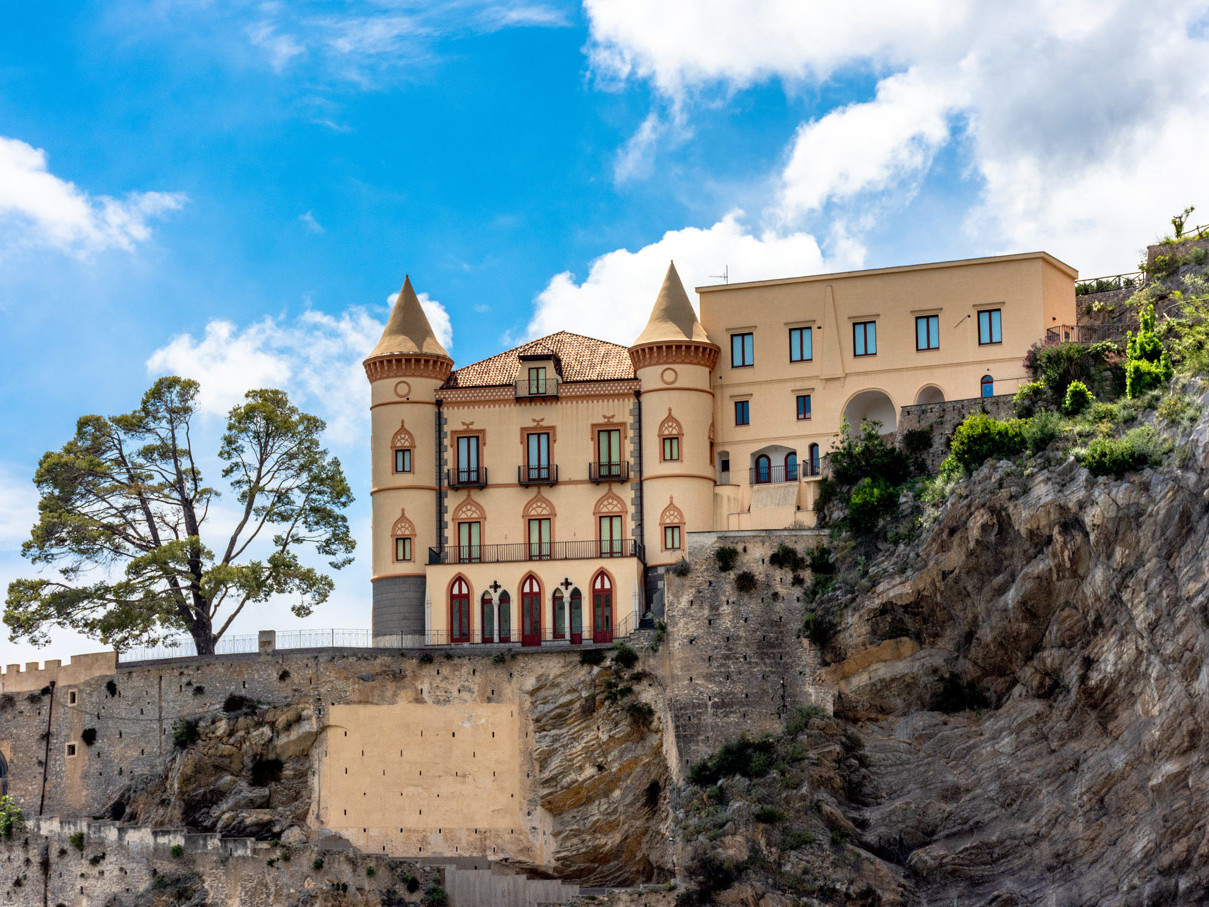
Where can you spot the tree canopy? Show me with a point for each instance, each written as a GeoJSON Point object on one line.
{"type": "Point", "coordinates": [123, 516]}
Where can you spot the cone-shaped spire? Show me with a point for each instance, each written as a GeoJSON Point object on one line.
{"type": "Point", "coordinates": [408, 331]}
{"type": "Point", "coordinates": [672, 318]}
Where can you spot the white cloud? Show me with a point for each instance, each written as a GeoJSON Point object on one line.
{"type": "Point", "coordinates": [1078, 126]}
{"type": "Point", "coordinates": [312, 225]}
{"type": "Point", "coordinates": [865, 147]}
{"type": "Point", "coordinates": [614, 301]}
{"type": "Point", "coordinates": [315, 357]}
{"type": "Point", "coordinates": [38, 208]}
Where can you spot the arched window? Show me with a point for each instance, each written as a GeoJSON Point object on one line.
{"type": "Point", "coordinates": [404, 533]}
{"type": "Point", "coordinates": [814, 460]}
{"type": "Point", "coordinates": [558, 606]}
{"type": "Point", "coordinates": [670, 434]}
{"type": "Point", "coordinates": [487, 617]}
{"type": "Point", "coordinates": [576, 610]}
{"type": "Point", "coordinates": [402, 445]}
{"type": "Point", "coordinates": [671, 522]}
{"type": "Point", "coordinates": [791, 467]}
{"type": "Point", "coordinates": [988, 386]}
{"type": "Point", "coordinates": [505, 617]}
{"type": "Point", "coordinates": [602, 608]}
{"type": "Point", "coordinates": [459, 611]}
{"type": "Point", "coordinates": [531, 611]}
{"type": "Point", "coordinates": [763, 472]}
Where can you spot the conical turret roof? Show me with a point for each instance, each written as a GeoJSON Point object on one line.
{"type": "Point", "coordinates": [672, 318]}
{"type": "Point", "coordinates": [407, 330]}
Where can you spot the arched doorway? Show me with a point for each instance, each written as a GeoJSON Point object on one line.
{"type": "Point", "coordinates": [763, 469]}
{"type": "Point", "coordinates": [602, 608]}
{"type": "Point", "coordinates": [815, 465]}
{"type": "Point", "coordinates": [505, 617]}
{"type": "Point", "coordinates": [872, 406]}
{"type": "Point", "coordinates": [791, 467]}
{"type": "Point", "coordinates": [988, 386]}
{"type": "Point", "coordinates": [531, 611]}
{"type": "Point", "coordinates": [930, 393]}
{"type": "Point", "coordinates": [487, 617]}
{"type": "Point", "coordinates": [459, 611]}
{"type": "Point", "coordinates": [577, 616]}
{"type": "Point", "coordinates": [558, 606]}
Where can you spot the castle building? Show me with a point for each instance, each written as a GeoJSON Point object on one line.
{"type": "Point", "coordinates": [535, 497]}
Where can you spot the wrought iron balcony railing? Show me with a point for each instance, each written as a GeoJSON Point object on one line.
{"type": "Point", "coordinates": [537, 475]}
{"type": "Point", "coordinates": [608, 472]}
{"type": "Point", "coordinates": [536, 551]}
{"type": "Point", "coordinates": [475, 477]}
{"type": "Point", "coordinates": [537, 388]}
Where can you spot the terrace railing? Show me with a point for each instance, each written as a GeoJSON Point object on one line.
{"type": "Point", "coordinates": [1085, 333]}
{"type": "Point", "coordinates": [536, 551]}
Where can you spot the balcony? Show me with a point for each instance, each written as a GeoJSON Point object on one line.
{"type": "Point", "coordinates": [475, 477]}
{"type": "Point", "coordinates": [775, 475]}
{"type": "Point", "coordinates": [1085, 333]}
{"type": "Point", "coordinates": [543, 388]}
{"type": "Point", "coordinates": [537, 475]}
{"type": "Point", "coordinates": [609, 472]}
{"type": "Point", "coordinates": [524, 551]}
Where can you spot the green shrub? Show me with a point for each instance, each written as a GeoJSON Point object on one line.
{"type": "Point", "coordinates": [1178, 409]}
{"type": "Point", "coordinates": [640, 714]}
{"type": "Point", "coordinates": [768, 815]}
{"type": "Point", "coordinates": [871, 500]}
{"type": "Point", "coordinates": [435, 896]}
{"type": "Point", "coordinates": [624, 656]}
{"type": "Point", "coordinates": [744, 757]}
{"type": "Point", "coordinates": [819, 627]}
{"type": "Point", "coordinates": [726, 556]}
{"type": "Point", "coordinates": [917, 441]}
{"type": "Point", "coordinates": [177, 851]}
{"type": "Point", "coordinates": [1042, 430]}
{"type": "Point", "coordinates": [801, 718]}
{"type": "Point", "coordinates": [77, 841]}
{"type": "Point", "coordinates": [499, 658]}
{"type": "Point", "coordinates": [786, 558]}
{"type": "Point", "coordinates": [865, 454]}
{"type": "Point", "coordinates": [793, 838]}
{"type": "Point", "coordinates": [1098, 365]}
{"type": "Point", "coordinates": [981, 437]}
{"type": "Point", "coordinates": [592, 657]}
{"type": "Point", "coordinates": [745, 581]}
{"type": "Point", "coordinates": [88, 736]}
{"type": "Point", "coordinates": [317, 863]}
{"type": "Point", "coordinates": [1148, 364]}
{"type": "Point", "coordinates": [370, 872]}
{"type": "Point", "coordinates": [660, 635]}
{"type": "Point", "coordinates": [1078, 398]}
{"type": "Point", "coordinates": [184, 733]}
{"type": "Point", "coordinates": [819, 561]}
{"type": "Point", "coordinates": [1029, 398]}
{"type": "Point", "coordinates": [680, 568]}
{"type": "Point", "coordinates": [235, 702]}
{"type": "Point", "coordinates": [11, 817]}
{"type": "Point", "coordinates": [1139, 448]}
{"type": "Point", "coordinates": [425, 658]}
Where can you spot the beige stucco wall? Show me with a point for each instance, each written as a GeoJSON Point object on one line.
{"type": "Point", "coordinates": [1032, 291]}
{"type": "Point", "coordinates": [408, 402]}
{"type": "Point", "coordinates": [426, 779]}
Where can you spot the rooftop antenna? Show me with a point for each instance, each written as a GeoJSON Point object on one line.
{"type": "Point", "coordinates": [724, 276]}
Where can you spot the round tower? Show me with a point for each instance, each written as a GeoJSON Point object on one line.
{"type": "Point", "coordinates": [405, 370]}
{"type": "Point", "coordinates": [673, 359]}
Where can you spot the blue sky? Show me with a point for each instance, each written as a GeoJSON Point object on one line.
{"type": "Point", "coordinates": [234, 190]}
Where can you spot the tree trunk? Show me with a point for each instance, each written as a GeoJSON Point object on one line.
{"type": "Point", "coordinates": [202, 632]}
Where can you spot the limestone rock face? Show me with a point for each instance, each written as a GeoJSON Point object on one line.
{"type": "Point", "coordinates": [602, 776]}
{"type": "Point", "coordinates": [1077, 610]}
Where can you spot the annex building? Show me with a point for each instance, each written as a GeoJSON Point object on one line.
{"type": "Point", "coordinates": [535, 497]}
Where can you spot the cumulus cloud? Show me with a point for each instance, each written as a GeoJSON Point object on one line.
{"type": "Point", "coordinates": [40, 209]}
{"type": "Point", "coordinates": [614, 301]}
{"type": "Point", "coordinates": [316, 357]}
{"type": "Point", "coordinates": [1073, 115]}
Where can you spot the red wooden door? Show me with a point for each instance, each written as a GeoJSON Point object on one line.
{"type": "Point", "coordinates": [531, 612]}
{"type": "Point", "coordinates": [602, 609]}
{"type": "Point", "coordinates": [459, 611]}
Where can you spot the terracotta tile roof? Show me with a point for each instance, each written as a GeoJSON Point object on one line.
{"type": "Point", "coordinates": [579, 358]}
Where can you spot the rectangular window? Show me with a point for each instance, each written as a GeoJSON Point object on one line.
{"type": "Point", "coordinates": [800, 346]}
{"type": "Point", "coordinates": [608, 447]}
{"type": "Point", "coordinates": [537, 453]}
{"type": "Point", "coordinates": [403, 460]}
{"type": "Point", "coordinates": [927, 332]}
{"type": "Point", "coordinates": [803, 406]}
{"type": "Point", "coordinates": [742, 413]}
{"type": "Point", "coordinates": [671, 538]}
{"type": "Point", "coordinates": [671, 449]}
{"type": "Point", "coordinates": [71, 749]}
{"type": "Point", "coordinates": [539, 539]}
{"type": "Point", "coordinates": [742, 350]}
{"type": "Point", "coordinates": [610, 536]}
{"type": "Point", "coordinates": [468, 459]}
{"type": "Point", "coordinates": [470, 549]}
{"type": "Point", "coordinates": [403, 549]}
{"type": "Point", "coordinates": [864, 338]}
{"type": "Point", "coordinates": [537, 381]}
{"type": "Point", "coordinates": [990, 329]}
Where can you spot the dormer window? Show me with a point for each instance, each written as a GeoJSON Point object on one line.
{"type": "Point", "coordinates": [538, 375]}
